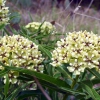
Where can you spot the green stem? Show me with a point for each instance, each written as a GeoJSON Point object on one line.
{"type": "Point", "coordinates": [72, 86]}
{"type": "Point", "coordinates": [67, 76]}
{"type": "Point", "coordinates": [75, 81]}
{"type": "Point", "coordinates": [65, 73]}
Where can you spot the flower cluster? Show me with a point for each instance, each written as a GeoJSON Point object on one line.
{"type": "Point", "coordinates": [44, 28]}
{"type": "Point", "coordinates": [3, 13]}
{"type": "Point", "coordinates": [80, 50]}
{"type": "Point", "coordinates": [20, 52]}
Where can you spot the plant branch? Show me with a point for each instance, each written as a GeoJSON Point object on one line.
{"type": "Point", "coordinates": [41, 88]}
{"type": "Point", "coordinates": [74, 82]}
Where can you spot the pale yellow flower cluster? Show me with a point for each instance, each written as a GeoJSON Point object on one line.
{"type": "Point", "coordinates": [80, 50]}
{"type": "Point", "coordinates": [44, 28]}
{"type": "Point", "coordinates": [18, 51]}
{"type": "Point", "coordinates": [3, 13]}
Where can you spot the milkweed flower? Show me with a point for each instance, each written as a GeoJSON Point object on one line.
{"type": "Point", "coordinates": [80, 50]}
{"type": "Point", "coordinates": [18, 51]}
{"type": "Point", "coordinates": [44, 28]}
{"type": "Point", "coordinates": [3, 13]}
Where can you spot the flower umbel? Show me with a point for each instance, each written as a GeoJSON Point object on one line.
{"type": "Point", "coordinates": [80, 49]}
{"type": "Point", "coordinates": [3, 13]}
{"type": "Point", "coordinates": [44, 28]}
{"type": "Point", "coordinates": [20, 52]}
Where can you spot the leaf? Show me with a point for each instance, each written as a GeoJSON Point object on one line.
{"type": "Point", "coordinates": [97, 96]}
{"type": "Point", "coordinates": [57, 75]}
{"type": "Point", "coordinates": [44, 83]}
{"type": "Point", "coordinates": [47, 52]}
{"type": "Point", "coordinates": [1, 85]}
{"type": "Point", "coordinates": [93, 81]}
{"type": "Point", "coordinates": [94, 72]}
{"type": "Point", "coordinates": [60, 68]}
{"type": "Point", "coordinates": [38, 75]}
{"type": "Point", "coordinates": [40, 36]}
{"type": "Point", "coordinates": [2, 73]}
{"type": "Point", "coordinates": [6, 31]}
{"type": "Point", "coordinates": [27, 93]}
{"type": "Point", "coordinates": [13, 95]}
{"type": "Point", "coordinates": [2, 26]}
{"type": "Point", "coordinates": [57, 82]}
{"type": "Point", "coordinates": [88, 83]}
{"type": "Point", "coordinates": [71, 91]}
{"type": "Point", "coordinates": [6, 87]}
{"type": "Point", "coordinates": [88, 90]}
{"type": "Point", "coordinates": [83, 75]}
{"type": "Point", "coordinates": [13, 30]}
{"type": "Point", "coordinates": [91, 92]}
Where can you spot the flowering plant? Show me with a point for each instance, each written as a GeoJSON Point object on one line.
{"type": "Point", "coordinates": [33, 66]}
{"type": "Point", "coordinates": [20, 52]}
{"type": "Point", "coordinates": [43, 28]}
{"type": "Point", "coordinates": [74, 59]}
{"type": "Point", "coordinates": [80, 50]}
{"type": "Point", "coordinates": [3, 13]}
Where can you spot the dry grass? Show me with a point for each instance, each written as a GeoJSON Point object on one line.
{"type": "Point", "coordinates": [85, 19]}
{"type": "Point", "coordinates": [65, 22]}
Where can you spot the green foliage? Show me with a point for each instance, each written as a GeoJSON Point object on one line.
{"type": "Point", "coordinates": [53, 80]}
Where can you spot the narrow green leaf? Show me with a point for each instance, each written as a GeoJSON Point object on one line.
{"type": "Point", "coordinates": [41, 36]}
{"type": "Point", "coordinates": [6, 87]}
{"type": "Point", "coordinates": [88, 83]}
{"type": "Point", "coordinates": [93, 81]}
{"type": "Point", "coordinates": [97, 96]}
{"type": "Point", "coordinates": [6, 31]}
{"type": "Point", "coordinates": [60, 68]}
{"type": "Point", "coordinates": [2, 73]}
{"type": "Point", "coordinates": [57, 82]}
{"type": "Point", "coordinates": [72, 91]}
{"type": "Point", "coordinates": [94, 72]}
{"type": "Point", "coordinates": [27, 93]}
{"type": "Point", "coordinates": [2, 26]}
{"type": "Point", "coordinates": [42, 76]}
{"type": "Point", "coordinates": [57, 75]}
{"type": "Point", "coordinates": [83, 75]}
{"type": "Point", "coordinates": [13, 95]}
{"type": "Point", "coordinates": [13, 30]}
{"type": "Point", "coordinates": [88, 90]}
{"type": "Point", "coordinates": [47, 52]}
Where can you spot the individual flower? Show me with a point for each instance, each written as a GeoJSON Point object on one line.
{"type": "Point", "coordinates": [3, 13]}
{"type": "Point", "coordinates": [18, 51]}
{"type": "Point", "coordinates": [2, 2]}
{"type": "Point", "coordinates": [80, 50]}
{"type": "Point", "coordinates": [43, 28]}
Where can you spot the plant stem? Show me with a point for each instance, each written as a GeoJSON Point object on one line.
{"type": "Point", "coordinates": [72, 86]}
{"type": "Point", "coordinates": [65, 73]}
{"type": "Point", "coordinates": [41, 88]}
{"type": "Point", "coordinates": [74, 82]}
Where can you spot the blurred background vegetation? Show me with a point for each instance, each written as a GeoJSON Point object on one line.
{"type": "Point", "coordinates": [64, 13]}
